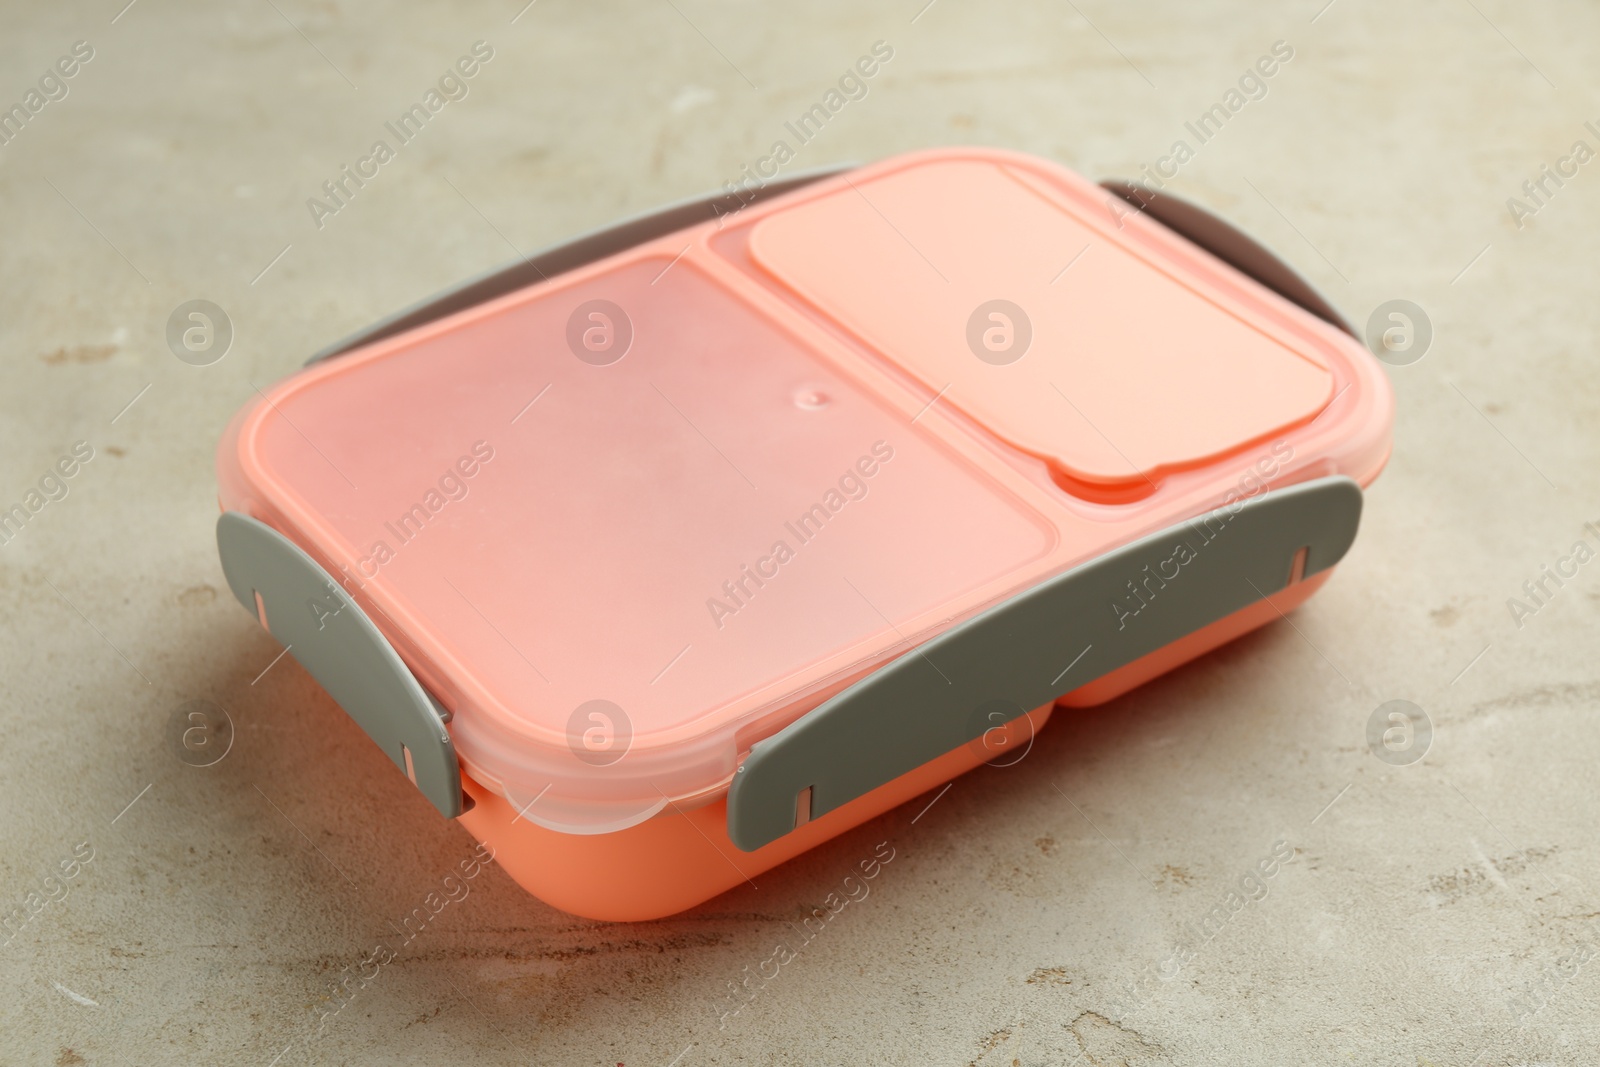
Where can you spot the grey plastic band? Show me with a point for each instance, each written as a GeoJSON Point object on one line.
{"type": "Point", "coordinates": [334, 640]}
{"type": "Point", "coordinates": [574, 253]}
{"type": "Point", "coordinates": [1036, 647]}
{"type": "Point", "coordinates": [1231, 245]}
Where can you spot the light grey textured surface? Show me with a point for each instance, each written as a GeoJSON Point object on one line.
{"type": "Point", "coordinates": [222, 903]}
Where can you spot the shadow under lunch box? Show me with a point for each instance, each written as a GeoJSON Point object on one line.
{"type": "Point", "coordinates": [671, 552]}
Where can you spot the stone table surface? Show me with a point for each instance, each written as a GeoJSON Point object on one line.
{"type": "Point", "coordinates": [1442, 911]}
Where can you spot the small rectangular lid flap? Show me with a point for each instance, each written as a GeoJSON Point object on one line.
{"type": "Point", "coordinates": [1042, 322]}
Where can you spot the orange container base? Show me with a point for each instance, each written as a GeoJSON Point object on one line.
{"type": "Point", "coordinates": [681, 858]}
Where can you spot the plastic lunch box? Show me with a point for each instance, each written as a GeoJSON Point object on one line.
{"type": "Point", "coordinates": [665, 555]}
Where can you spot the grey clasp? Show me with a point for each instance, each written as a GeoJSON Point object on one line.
{"type": "Point", "coordinates": [332, 638]}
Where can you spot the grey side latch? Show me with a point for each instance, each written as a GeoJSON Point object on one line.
{"type": "Point", "coordinates": [1044, 642]}
{"type": "Point", "coordinates": [333, 639]}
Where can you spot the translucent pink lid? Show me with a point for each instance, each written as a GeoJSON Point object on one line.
{"type": "Point", "coordinates": [628, 521]}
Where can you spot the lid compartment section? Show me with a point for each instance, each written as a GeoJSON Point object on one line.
{"type": "Point", "coordinates": [1038, 319]}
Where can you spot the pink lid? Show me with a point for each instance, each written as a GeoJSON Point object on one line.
{"type": "Point", "coordinates": [626, 522]}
